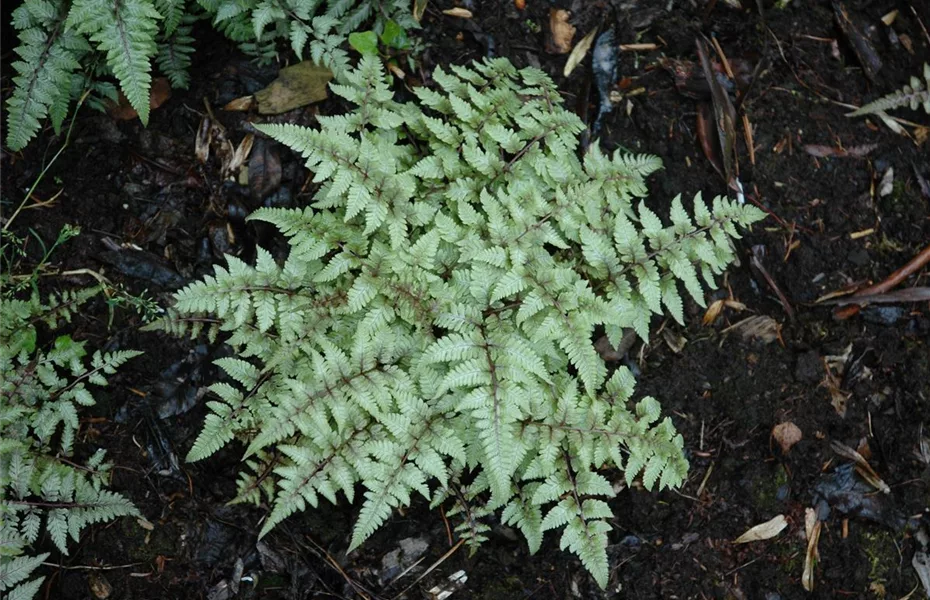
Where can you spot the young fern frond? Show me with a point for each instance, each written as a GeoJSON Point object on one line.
{"type": "Point", "coordinates": [915, 94]}
{"type": "Point", "coordinates": [433, 321]}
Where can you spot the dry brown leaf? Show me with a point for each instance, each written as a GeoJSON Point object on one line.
{"type": "Point", "coordinates": [675, 342]}
{"type": "Point", "coordinates": [296, 86]}
{"type": "Point", "coordinates": [99, 586]}
{"type": "Point", "coordinates": [763, 531]}
{"type": "Point", "coordinates": [713, 311]}
{"type": "Point", "coordinates": [761, 327]}
{"type": "Point", "coordinates": [812, 527]}
{"type": "Point", "coordinates": [822, 151]}
{"type": "Point", "coordinates": [264, 170]}
{"type": "Point", "coordinates": [461, 13]}
{"type": "Point", "coordinates": [419, 7]}
{"type": "Point", "coordinates": [561, 30]}
{"type": "Point", "coordinates": [241, 104]}
{"type": "Point", "coordinates": [203, 139]}
{"type": "Point", "coordinates": [787, 435]}
{"type": "Point", "coordinates": [579, 52]}
{"type": "Point", "coordinates": [123, 111]}
{"type": "Point", "coordinates": [242, 152]}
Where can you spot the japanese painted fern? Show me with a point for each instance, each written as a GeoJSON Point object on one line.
{"type": "Point", "coordinates": [41, 392]}
{"type": "Point", "coordinates": [431, 330]}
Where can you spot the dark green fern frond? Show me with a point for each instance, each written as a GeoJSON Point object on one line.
{"type": "Point", "coordinates": [125, 32]}
{"type": "Point", "coordinates": [174, 53]}
{"type": "Point", "coordinates": [49, 56]}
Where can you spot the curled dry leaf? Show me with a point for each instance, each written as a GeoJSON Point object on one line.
{"type": "Point", "coordinates": [821, 151]}
{"type": "Point", "coordinates": [419, 7]}
{"type": "Point", "coordinates": [787, 435]}
{"type": "Point", "coordinates": [241, 104]}
{"type": "Point", "coordinates": [862, 466]}
{"type": "Point", "coordinates": [812, 527]}
{"type": "Point", "coordinates": [761, 327]}
{"type": "Point", "coordinates": [713, 311]}
{"type": "Point", "coordinates": [763, 531]}
{"type": "Point", "coordinates": [561, 30]}
{"type": "Point", "coordinates": [238, 157]}
{"type": "Point", "coordinates": [579, 52]}
{"type": "Point", "coordinates": [461, 13]}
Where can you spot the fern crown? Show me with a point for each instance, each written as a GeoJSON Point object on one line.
{"type": "Point", "coordinates": [431, 329]}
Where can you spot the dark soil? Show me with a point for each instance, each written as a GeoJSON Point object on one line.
{"type": "Point", "coordinates": [725, 393]}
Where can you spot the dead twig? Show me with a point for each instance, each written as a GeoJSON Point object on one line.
{"type": "Point", "coordinates": [757, 253]}
{"type": "Point", "coordinates": [898, 276]}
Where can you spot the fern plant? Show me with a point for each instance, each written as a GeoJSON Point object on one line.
{"type": "Point", "coordinates": [915, 94]}
{"type": "Point", "coordinates": [314, 28]}
{"type": "Point", "coordinates": [68, 46]}
{"type": "Point", "coordinates": [431, 329]}
{"type": "Point", "coordinates": [41, 392]}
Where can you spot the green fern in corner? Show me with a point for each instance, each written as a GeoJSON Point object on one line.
{"type": "Point", "coordinates": [915, 94]}
{"type": "Point", "coordinates": [41, 393]}
{"type": "Point", "coordinates": [431, 329]}
{"type": "Point", "coordinates": [312, 28]}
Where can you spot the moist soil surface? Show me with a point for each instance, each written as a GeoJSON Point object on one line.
{"type": "Point", "coordinates": [832, 223]}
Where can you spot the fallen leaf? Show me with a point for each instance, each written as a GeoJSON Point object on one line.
{"type": "Point", "coordinates": [812, 527]}
{"type": "Point", "coordinates": [579, 52]}
{"type": "Point", "coordinates": [123, 111]}
{"type": "Point", "coordinates": [761, 327]}
{"type": "Point", "coordinates": [887, 183]}
{"type": "Point", "coordinates": [713, 311]}
{"type": "Point", "coordinates": [99, 586]}
{"type": "Point", "coordinates": [297, 85]}
{"type": "Point", "coordinates": [519, 4]}
{"type": "Point", "coordinates": [237, 159]}
{"type": "Point", "coordinates": [461, 13]}
{"type": "Point", "coordinates": [241, 104]}
{"type": "Point", "coordinates": [822, 151]}
{"type": "Point", "coordinates": [264, 170]}
{"type": "Point", "coordinates": [763, 531]}
{"type": "Point", "coordinates": [787, 434]}
{"type": "Point", "coordinates": [561, 30]}
{"type": "Point", "coordinates": [419, 7]}
{"type": "Point", "coordinates": [675, 342]}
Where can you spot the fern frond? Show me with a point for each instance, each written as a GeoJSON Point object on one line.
{"type": "Point", "coordinates": [915, 94]}
{"type": "Point", "coordinates": [48, 58]}
{"type": "Point", "coordinates": [125, 31]}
